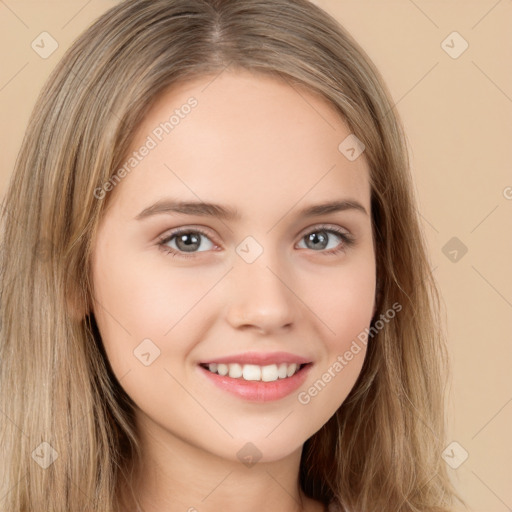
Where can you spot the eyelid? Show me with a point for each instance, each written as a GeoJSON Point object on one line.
{"type": "Point", "coordinates": [170, 234]}
{"type": "Point", "coordinates": [205, 231]}
{"type": "Point", "coordinates": [186, 229]}
{"type": "Point", "coordinates": [347, 238]}
{"type": "Point", "coordinates": [327, 227]}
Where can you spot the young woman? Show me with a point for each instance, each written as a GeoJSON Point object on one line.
{"type": "Point", "coordinates": [215, 291]}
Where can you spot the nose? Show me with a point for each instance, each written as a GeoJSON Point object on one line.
{"type": "Point", "coordinates": [262, 297]}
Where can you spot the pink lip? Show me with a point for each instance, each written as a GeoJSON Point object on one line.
{"type": "Point", "coordinates": [258, 391]}
{"type": "Point", "coordinates": [260, 358]}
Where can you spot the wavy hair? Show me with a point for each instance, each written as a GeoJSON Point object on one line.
{"type": "Point", "coordinates": [381, 450]}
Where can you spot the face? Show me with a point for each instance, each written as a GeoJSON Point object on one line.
{"type": "Point", "coordinates": [263, 283]}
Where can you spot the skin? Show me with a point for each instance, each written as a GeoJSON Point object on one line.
{"type": "Point", "coordinates": [256, 144]}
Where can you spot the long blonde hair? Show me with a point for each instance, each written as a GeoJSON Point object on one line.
{"type": "Point", "coordinates": [66, 425]}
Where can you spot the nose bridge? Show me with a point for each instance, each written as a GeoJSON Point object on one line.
{"type": "Point", "coordinates": [260, 290]}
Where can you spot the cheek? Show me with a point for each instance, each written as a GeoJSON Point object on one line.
{"type": "Point", "coordinates": [141, 319]}
{"type": "Point", "coordinates": [134, 301]}
{"type": "Point", "coordinates": [149, 301]}
{"type": "Point", "coordinates": [344, 301]}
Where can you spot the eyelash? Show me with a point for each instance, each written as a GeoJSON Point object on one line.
{"type": "Point", "coordinates": [347, 240]}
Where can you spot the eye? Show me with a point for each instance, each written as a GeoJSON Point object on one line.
{"type": "Point", "coordinates": [321, 237]}
{"type": "Point", "coordinates": [187, 241]}
{"type": "Point", "coordinates": [190, 240]}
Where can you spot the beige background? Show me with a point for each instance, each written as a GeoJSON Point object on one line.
{"type": "Point", "coordinates": [458, 117]}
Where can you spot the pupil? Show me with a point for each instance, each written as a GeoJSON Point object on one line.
{"type": "Point", "coordinates": [315, 238]}
{"type": "Point", "coordinates": [188, 240]}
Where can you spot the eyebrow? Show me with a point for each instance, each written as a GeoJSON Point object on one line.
{"type": "Point", "coordinates": [169, 206]}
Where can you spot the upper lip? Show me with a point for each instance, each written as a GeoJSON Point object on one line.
{"type": "Point", "coordinates": [260, 358]}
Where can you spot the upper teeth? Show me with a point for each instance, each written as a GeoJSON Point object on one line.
{"type": "Point", "coordinates": [255, 372]}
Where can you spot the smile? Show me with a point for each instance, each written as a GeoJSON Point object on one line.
{"type": "Point", "coordinates": [256, 383]}
{"type": "Point", "coordinates": [253, 372]}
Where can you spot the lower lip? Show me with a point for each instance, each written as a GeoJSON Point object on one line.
{"type": "Point", "coordinates": [259, 391]}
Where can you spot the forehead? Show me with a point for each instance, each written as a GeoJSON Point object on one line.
{"type": "Point", "coordinates": [244, 139]}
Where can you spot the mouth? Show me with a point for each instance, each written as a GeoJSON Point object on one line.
{"type": "Point", "coordinates": [253, 372]}
{"type": "Point", "coordinates": [255, 383]}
